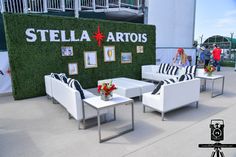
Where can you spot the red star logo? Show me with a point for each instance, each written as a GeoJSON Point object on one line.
{"type": "Point", "coordinates": [98, 36]}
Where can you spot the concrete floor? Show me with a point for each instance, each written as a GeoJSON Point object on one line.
{"type": "Point", "coordinates": [38, 128]}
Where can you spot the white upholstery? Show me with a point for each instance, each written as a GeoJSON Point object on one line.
{"type": "Point", "coordinates": [48, 85]}
{"type": "Point", "coordinates": [150, 72]}
{"type": "Point", "coordinates": [173, 96]}
{"type": "Point", "coordinates": [129, 87]}
{"type": "Point", "coordinates": [69, 98]}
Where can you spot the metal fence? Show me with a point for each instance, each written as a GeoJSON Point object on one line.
{"type": "Point", "coordinates": [41, 6]}
{"type": "Point", "coordinates": [23, 6]}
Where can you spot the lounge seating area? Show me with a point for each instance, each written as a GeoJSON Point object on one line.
{"type": "Point", "coordinates": [90, 88]}
{"type": "Point", "coordinates": [37, 127]}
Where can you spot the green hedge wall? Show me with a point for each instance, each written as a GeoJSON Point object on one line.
{"type": "Point", "coordinates": [29, 62]}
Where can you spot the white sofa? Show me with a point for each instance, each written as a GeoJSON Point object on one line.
{"type": "Point", "coordinates": [48, 85]}
{"type": "Point", "coordinates": [150, 72]}
{"type": "Point", "coordinates": [173, 96]}
{"type": "Point", "coordinates": [69, 98]}
{"type": "Point", "coordinates": [130, 87]}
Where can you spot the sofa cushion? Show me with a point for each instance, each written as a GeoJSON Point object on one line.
{"type": "Point", "coordinates": [186, 77]}
{"type": "Point", "coordinates": [171, 80]}
{"type": "Point", "coordinates": [164, 82]}
{"type": "Point", "coordinates": [55, 75]}
{"type": "Point", "coordinates": [190, 70]}
{"type": "Point", "coordinates": [158, 87]}
{"type": "Point", "coordinates": [172, 70]}
{"type": "Point", "coordinates": [63, 77]}
{"type": "Point", "coordinates": [76, 85]}
{"type": "Point", "coordinates": [163, 68]}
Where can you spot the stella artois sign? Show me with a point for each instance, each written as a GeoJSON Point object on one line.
{"type": "Point", "coordinates": [53, 35]}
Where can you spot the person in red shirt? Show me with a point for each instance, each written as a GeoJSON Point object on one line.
{"type": "Point", "coordinates": [216, 56]}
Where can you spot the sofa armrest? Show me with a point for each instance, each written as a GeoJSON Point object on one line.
{"type": "Point", "coordinates": [48, 85]}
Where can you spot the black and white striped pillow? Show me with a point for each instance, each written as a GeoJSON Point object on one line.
{"type": "Point", "coordinates": [63, 77]}
{"type": "Point", "coordinates": [69, 80]}
{"type": "Point", "coordinates": [172, 70]}
{"type": "Point", "coordinates": [163, 68]}
{"type": "Point", "coordinates": [158, 87]}
{"type": "Point", "coordinates": [186, 77]}
{"type": "Point", "coordinates": [190, 70]}
{"type": "Point", "coordinates": [170, 81]}
{"type": "Point", "coordinates": [156, 91]}
{"type": "Point", "coordinates": [76, 85]}
{"type": "Point", "coordinates": [55, 75]}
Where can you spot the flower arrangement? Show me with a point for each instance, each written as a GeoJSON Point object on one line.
{"type": "Point", "coordinates": [209, 69]}
{"type": "Point", "coordinates": [106, 88]}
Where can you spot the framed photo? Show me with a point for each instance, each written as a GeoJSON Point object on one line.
{"type": "Point", "coordinates": [90, 59]}
{"type": "Point", "coordinates": [67, 51]}
{"type": "Point", "coordinates": [109, 54]}
{"type": "Point", "coordinates": [73, 68]}
{"type": "Point", "coordinates": [126, 57]}
{"type": "Point", "coordinates": [139, 49]}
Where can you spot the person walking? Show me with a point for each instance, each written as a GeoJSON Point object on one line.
{"type": "Point", "coordinates": [216, 56]}
{"type": "Point", "coordinates": [207, 56]}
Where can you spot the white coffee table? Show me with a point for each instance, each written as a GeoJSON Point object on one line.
{"type": "Point", "coordinates": [98, 104]}
{"type": "Point", "coordinates": [213, 78]}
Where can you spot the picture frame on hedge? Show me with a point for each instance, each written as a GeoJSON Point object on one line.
{"type": "Point", "coordinates": [126, 57]}
{"type": "Point", "coordinates": [73, 68]}
{"type": "Point", "coordinates": [109, 54]}
{"type": "Point", "coordinates": [139, 49]}
{"type": "Point", "coordinates": [67, 51]}
{"type": "Point", "coordinates": [90, 59]}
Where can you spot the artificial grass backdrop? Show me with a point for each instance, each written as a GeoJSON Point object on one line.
{"type": "Point", "coordinates": [30, 61]}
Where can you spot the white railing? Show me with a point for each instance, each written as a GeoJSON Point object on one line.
{"type": "Point", "coordinates": [102, 3]}
{"type": "Point", "coordinates": [54, 5]}
{"type": "Point", "coordinates": [69, 4]}
{"type": "Point", "coordinates": [23, 6]}
{"type": "Point", "coordinates": [42, 6]}
{"type": "Point", "coordinates": [87, 4]}
{"type": "Point", "coordinates": [36, 6]}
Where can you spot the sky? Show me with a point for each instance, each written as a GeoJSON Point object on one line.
{"type": "Point", "coordinates": [215, 17]}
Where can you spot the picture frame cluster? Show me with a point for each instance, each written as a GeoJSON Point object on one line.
{"type": "Point", "coordinates": [90, 57]}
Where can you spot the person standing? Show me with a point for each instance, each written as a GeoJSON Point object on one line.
{"type": "Point", "coordinates": [216, 56]}
{"type": "Point", "coordinates": [202, 55]}
{"type": "Point", "coordinates": [207, 56]}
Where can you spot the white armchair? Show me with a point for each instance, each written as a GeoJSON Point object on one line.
{"type": "Point", "coordinates": [173, 96]}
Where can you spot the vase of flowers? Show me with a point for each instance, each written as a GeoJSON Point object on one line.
{"type": "Point", "coordinates": [105, 90]}
{"type": "Point", "coordinates": [209, 70]}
